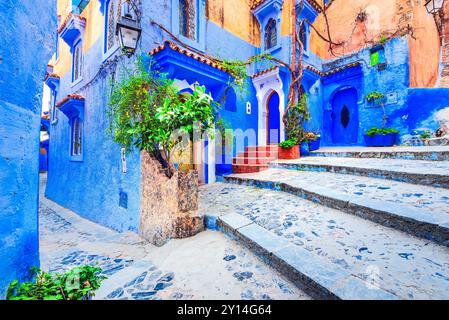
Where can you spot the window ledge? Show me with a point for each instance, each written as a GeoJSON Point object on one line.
{"type": "Point", "coordinates": [76, 159]}
{"type": "Point", "coordinates": [274, 49]}
{"type": "Point", "coordinates": [77, 81]}
{"type": "Point", "coordinates": [108, 54]}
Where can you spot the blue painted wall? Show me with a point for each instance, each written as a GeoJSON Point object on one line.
{"type": "Point", "coordinates": [92, 187]}
{"type": "Point", "coordinates": [365, 79]}
{"type": "Point", "coordinates": [26, 46]}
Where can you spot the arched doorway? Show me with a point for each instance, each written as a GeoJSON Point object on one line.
{"type": "Point", "coordinates": [273, 119]}
{"type": "Point", "coordinates": [345, 117]}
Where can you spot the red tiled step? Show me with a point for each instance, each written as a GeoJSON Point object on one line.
{"type": "Point", "coordinates": [248, 168]}
{"type": "Point", "coordinates": [253, 160]}
{"type": "Point", "coordinates": [258, 154]}
{"type": "Point", "coordinates": [264, 148]}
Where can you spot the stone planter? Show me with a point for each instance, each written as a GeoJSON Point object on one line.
{"type": "Point", "coordinates": [290, 153]}
{"type": "Point", "coordinates": [169, 207]}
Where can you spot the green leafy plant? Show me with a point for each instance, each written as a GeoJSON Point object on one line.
{"type": "Point", "coordinates": [426, 134]}
{"type": "Point", "coordinates": [380, 131]}
{"type": "Point", "coordinates": [287, 144]}
{"type": "Point", "coordinates": [375, 97]}
{"type": "Point", "coordinates": [79, 283]}
{"type": "Point", "coordinates": [296, 116]}
{"type": "Point", "coordinates": [147, 112]}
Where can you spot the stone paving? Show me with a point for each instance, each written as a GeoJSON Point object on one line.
{"type": "Point", "coordinates": [406, 266]}
{"type": "Point", "coordinates": [208, 266]}
{"type": "Point", "coordinates": [428, 199]}
{"type": "Point", "coordinates": [395, 165]}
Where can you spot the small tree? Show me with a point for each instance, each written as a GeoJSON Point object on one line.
{"type": "Point", "coordinates": [297, 115]}
{"type": "Point", "coordinates": [148, 113]}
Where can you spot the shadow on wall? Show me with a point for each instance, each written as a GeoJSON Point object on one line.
{"type": "Point", "coordinates": [427, 108]}
{"type": "Point", "coordinates": [28, 37]}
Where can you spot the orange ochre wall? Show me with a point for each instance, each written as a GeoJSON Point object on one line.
{"type": "Point", "coordinates": [384, 17]}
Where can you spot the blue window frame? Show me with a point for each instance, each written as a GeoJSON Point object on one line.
{"type": "Point", "coordinates": [271, 34]}
{"type": "Point", "coordinates": [77, 61]}
{"type": "Point", "coordinates": [54, 111]}
{"type": "Point", "coordinates": [76, 139]}
{"type": "Point", "coordinates": [111, 14]}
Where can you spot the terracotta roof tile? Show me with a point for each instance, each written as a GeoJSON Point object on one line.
{"type": "Point", "coordinates": [175, 47]}
{"type": "Point", "coordinates": [68, 97]}
{"type": "Point", "coordinates": [258, 74]}
{"type": "Point", "coordinates": [51, 75]}
{"type": "Point", "coordinates": [349, 65]}
{"type": "Point", "coordinates": [67, 19]}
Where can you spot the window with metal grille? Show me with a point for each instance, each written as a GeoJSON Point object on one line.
{"type": "Point", "coordinates": [187, 18]}
{"type": "Point", "coordinates": [77, 137]}
{"type": "Point", "coordinates": [77, 61]}
{"type": "Point", "coordinates": [111, 22]}
{"type": "Point", "coordinates": [271, 34]}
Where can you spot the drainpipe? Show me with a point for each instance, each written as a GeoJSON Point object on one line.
{"type": "Point", "coordinates": [293, 37]}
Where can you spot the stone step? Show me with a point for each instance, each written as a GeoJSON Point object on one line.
{"type": "Point", "coordinates": [405, 153]}
{"type": "Point", "coordinates": [328, 253]}
{"type": "Point", "coordinates": [417, 210]}
{"type": "Point", "coordinates": [251, 160]}
{"type": "Point", "coordinates": [427, 173]}
{"type": "Point", "coordinates": [248, 168]}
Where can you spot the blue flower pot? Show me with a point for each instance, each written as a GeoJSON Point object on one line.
{"type": "Point", "coordinates": [315, 145]}
{"type": "Point", "coordinates": [380, 140]}
{"type": "Point", "coordinates": [305, 151]}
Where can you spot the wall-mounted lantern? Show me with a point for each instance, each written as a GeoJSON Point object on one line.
{"type": "Point", "coordinates": [434, 6]}
{"type": "Point", "coordinates": [128, 32]}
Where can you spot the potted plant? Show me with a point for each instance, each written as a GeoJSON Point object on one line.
{"type": "Point", "coordinates": [314, 141]}
{"type": "Point", "coordinates": [383, 136]}
{"type": "Point", "coordinates": [289, 150]}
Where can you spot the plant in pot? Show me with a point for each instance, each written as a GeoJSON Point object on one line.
{"type": "Point", "coordinates": [294, 120]}
{"type": "Point", "coordinates": [289, 150]}
{"type": "Point", "coordinates": [383, 136]}
{"type": "Point", "coordinates": [314, 140]}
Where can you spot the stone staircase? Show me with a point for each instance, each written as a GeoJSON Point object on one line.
{"type": "Point", "coordinates": [345, 224]}
{"type": "Point", "coordinates": [254, 159]}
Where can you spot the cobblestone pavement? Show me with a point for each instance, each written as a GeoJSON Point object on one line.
{"type": "Point", "coordinates": [398, 165]}
{"type": "Point", "coordinates": [407, 266]}
{"type": "Point", "coordinates": [208, 266]}
{"type": "Point", "coordinates": [429, 199]}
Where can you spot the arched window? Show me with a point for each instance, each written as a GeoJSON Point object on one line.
{"type": "Point", "coordinates": [187, 18]}
{"type": "Point", "coordinates": [271, 37]}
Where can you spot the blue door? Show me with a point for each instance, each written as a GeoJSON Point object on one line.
{"type": "Point", "coordinates": [274, 119]}
{"type": "Point", "coordinates": [345, 118]}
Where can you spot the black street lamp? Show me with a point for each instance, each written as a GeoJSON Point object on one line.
{"type": "Point", "coordinates": [434, 6]}
{"type": "Point", "coordinates": [128, 32]}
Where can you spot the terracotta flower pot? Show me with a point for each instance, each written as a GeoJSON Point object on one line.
{"type": "Point", "coordinates": [290, 153]}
